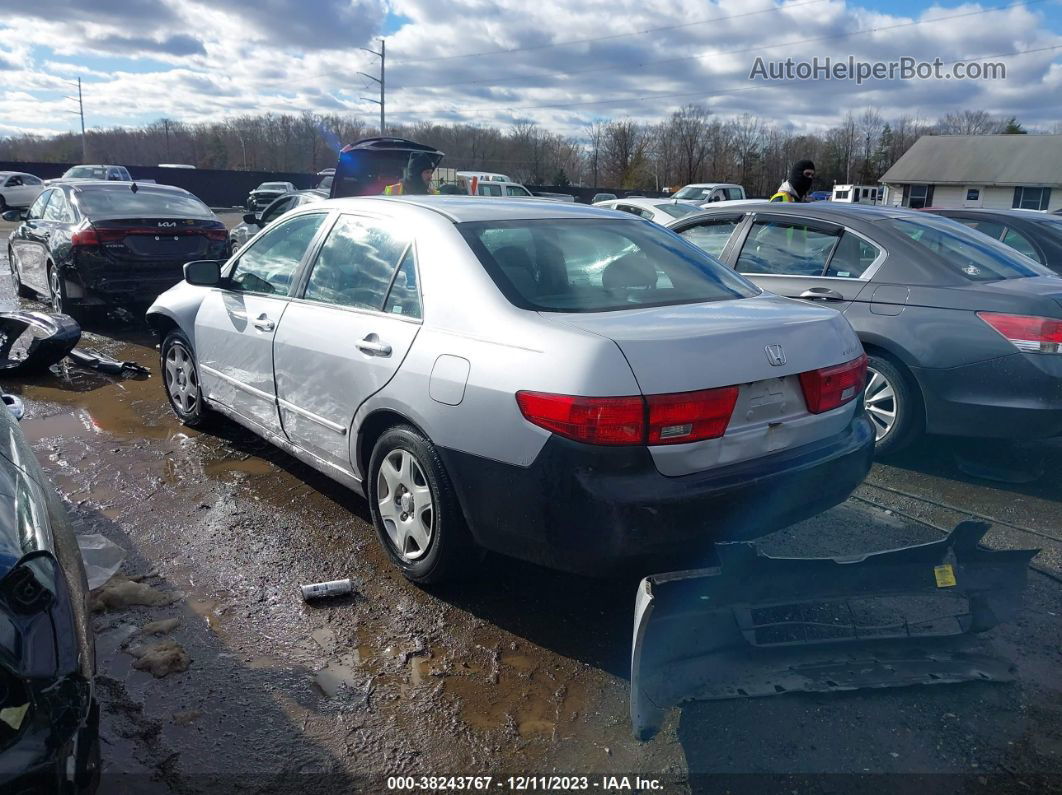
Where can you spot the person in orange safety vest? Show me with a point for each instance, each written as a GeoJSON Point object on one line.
{"type": "Point", "coordinates": [417, 177]}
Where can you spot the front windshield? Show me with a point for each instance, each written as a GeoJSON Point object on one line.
{"type": "Point", "coordinates": [971, 254]}
{"type": "Point", "coordinates": [273, 186]}
{"type": "Point", "coordinates": [594, 265]}
{"type": "Point", "coordinates": [86, 172]}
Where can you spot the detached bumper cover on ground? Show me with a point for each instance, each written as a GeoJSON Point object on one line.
{"type": "Point", "coordinates": [758, 625]}
{"type": "Point", "coordinates": [34, 341]}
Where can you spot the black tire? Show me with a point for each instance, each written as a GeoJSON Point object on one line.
{"type": "Point", "coordinates": [450, 546]}
{"type": "Point", "coordinates": [188, 403]}
{"type": "Point", "coordinates": [3, 204]}
{"type": "Point", "coordinates": [905, 403]}
{"type": "Point", "coordinates": [59, 299]}
{"type": "Point", "coordinates": [21, 290]}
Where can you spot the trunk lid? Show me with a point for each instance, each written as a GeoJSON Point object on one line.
{"type": "Point", "coordinates": [700, 346]}
{"type": "Point", "coordinates": [162, 239]}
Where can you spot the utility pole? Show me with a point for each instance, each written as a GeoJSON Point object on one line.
{"type": "Point", "coordinates": [80, 112]}
{"type": "Point", "coordinates": [382, 55]}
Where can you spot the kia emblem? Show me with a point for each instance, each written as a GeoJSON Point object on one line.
{"type": "Point", "coordinates": [775, 355]}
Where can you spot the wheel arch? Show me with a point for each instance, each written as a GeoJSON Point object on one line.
{"type": "Point", "coordinates": [900, 361]}
{"type": "Point", "coordinates": [371, 429]}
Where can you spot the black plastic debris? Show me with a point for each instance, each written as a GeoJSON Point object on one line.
{"type": "Point", "coordinates": [757, 625]}
{"type": "Point", "coordinates": [105, 364]}
{"type": "Point", "coordinates": [33, 341]}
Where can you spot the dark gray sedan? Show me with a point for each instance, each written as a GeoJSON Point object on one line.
{"type": "Point", "coordinates": [964, 336]}
{"type": "Point", "coordinates": [1036, 235]}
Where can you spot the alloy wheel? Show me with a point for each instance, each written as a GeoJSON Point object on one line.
{"type": "Point", "coordinates": [16, 282]}
{"type": "Point", "coordinates": [182, 381]}
{"type": "Point", "coordinates": [881, 402]}
{"type": "Point", "coordinates": [55, 288]}
{"type": "Point", "coordinates": [405, 503]}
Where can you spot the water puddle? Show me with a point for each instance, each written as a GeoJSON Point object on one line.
{"type": "Point", "coordinates": [207, 610]}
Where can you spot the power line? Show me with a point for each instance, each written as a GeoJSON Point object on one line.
{"type": "Point", "coordinates": [757, 48]}
{"type": "Point", "coordinates": [553, 45]}
{"type": "Point", "coordinates": [671, 95]}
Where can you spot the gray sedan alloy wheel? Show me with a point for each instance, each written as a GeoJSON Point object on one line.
{"type": "Point", "coordinates": [182, 380]}
{"type": "Point", "coordinates": [881, 401]}
{"type": "Point", "coordinates": [405, 504]}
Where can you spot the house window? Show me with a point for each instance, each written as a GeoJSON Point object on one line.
{"type": "Point", "coordinates": [1031, 198]}
{"type": "Point", "coordinates": [918, 196]}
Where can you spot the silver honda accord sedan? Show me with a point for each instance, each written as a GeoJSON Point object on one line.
{"type": "Point", "coordinates": [555, 382]}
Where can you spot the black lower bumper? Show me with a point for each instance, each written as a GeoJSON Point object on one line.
{"type": "Point", "coordinates": [603, 511]}
{"type": "Point", "coordinates": [1012, 397]}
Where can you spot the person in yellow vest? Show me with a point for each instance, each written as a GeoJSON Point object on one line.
{"type": "Point", "coordinates": [798, 187]}
{"type": "Point", "coordinates": [416, 181]}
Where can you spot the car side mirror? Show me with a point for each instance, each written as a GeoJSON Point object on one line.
{"type": "Point", "coordinates": [14, 215]}
{"type": "Point", "coordinates": [203, 272]}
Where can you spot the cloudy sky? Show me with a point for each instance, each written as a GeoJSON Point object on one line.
{"type": "Point", "coordinates": [557, 62]}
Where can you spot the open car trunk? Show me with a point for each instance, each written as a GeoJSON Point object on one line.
{"type": "Point", "coordinates": [760, 626]}
{"type": "Point", "coordinates": [368, 166]}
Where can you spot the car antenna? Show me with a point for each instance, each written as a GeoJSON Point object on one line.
{"type": "Point", "coordinates": [134, 188]}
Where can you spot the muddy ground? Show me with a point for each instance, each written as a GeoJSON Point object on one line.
{"type": "Point", "coordinates": [523, 671]}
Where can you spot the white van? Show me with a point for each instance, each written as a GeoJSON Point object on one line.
{"type": "Point", "coordinates": [856, 194]}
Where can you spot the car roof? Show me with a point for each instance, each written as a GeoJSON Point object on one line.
{"type": "Point", "coordinates": [80, 185]}
{"type": "Point", "coordinates": [712, 185]}
{"type": "Point", "coordinates": [826, 211]}
{"type": "Point", "coordinates": [647, 202]}
{"type": "Point", "coordinates": [461, 209]}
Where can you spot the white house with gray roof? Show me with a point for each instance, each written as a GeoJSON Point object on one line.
{"type": "Point", "coordinates": [991, 171]}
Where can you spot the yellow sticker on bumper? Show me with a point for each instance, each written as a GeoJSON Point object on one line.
{"type": "Point", "coordinates": [945, 575]}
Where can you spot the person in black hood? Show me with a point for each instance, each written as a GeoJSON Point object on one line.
{"type": "Point", "coordinates": [416, 180]}
{"type": "Point", "coordinates": [798, 186]}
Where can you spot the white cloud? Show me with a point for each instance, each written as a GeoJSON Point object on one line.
{"type": "Point", "coordinates": [242, 56]}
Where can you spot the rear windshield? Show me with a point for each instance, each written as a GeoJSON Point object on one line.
{"type": "Point", "coordinates": [106, 201]}
{"type": "Point", "coordinates": [598, 265]}
{"type": "Point", "coordinates": [678, 210]}
{"type": "Point", "coordinates": [972, 254]}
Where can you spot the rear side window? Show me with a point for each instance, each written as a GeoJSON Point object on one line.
{"type": "Point", "coordinates": [1020, 243]}
{"type": "Point", "coordinates": [121, 201]}
{"type": "Point", "coordinates": [971, 254]}
{"type": "Point", "coordinates": [788, 249]}
{"type": "Point", "coordinates": [356, 263]}
{"type": "Point", "coordinates": [59, 210]}
{"type": "Point", "coordinates": [990, 228]}
{"type": "Point", "coordinates": [404, 298]}
{"type": "Point", "coordinates": [852, 257]}
{"type": "Point", "coordinates": [490, 190]}
{"type": "Point", "coordinates": [712, 236]}
{"type": "Point", "coordinates": [598, 265]}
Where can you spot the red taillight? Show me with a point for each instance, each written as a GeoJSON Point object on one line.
{"type": "Point", "coordinates": [85, 237]}
{"type": "Point", "coordinates": [655, 419]}
{"type": "Point", "coordinates": [829, 387]}
{"type": "Point", "coordinates": [217, 234]}
{"type": "Point", "coordinates": [1027, 333]}
{"type": "Point", "coordinates": [600, 420]}
{"type": "Point", "coordinates": [690, 416]}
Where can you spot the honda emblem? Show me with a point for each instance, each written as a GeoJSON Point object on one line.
{"type": "Point", "coordinates": [775, 355]}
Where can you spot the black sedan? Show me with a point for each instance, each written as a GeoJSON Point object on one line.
{"type": "Point", "coordinates": [964, 337]}
{"type": "Point", "coordinates": [49, 716]}
{"type": "Point", "coordinates": [254, 223]}
{"type": "Point", "coordinates": [94, 244]}
{"type": "Point", "coordinates": [1036, 235]}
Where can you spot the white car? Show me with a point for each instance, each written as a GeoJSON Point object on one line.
{"type": "Point", "coordinates": [18, 189]}
{"type": "Point", "coordinates": [661, 211]}
{"type": "Point", "coordinates": [552, 381]}
{"type": "Point", "coordinates": [710, 192]}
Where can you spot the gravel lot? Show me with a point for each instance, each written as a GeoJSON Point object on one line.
{"type": "Point", "coordinates": [521, 672]}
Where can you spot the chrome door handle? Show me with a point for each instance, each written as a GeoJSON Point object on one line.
{"type": "Point", "coordinates": [373, 347]}
{"type": "Point", "coordinates": [823, 293]}
{"type": "Point", "coordinates": [263, 323]}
